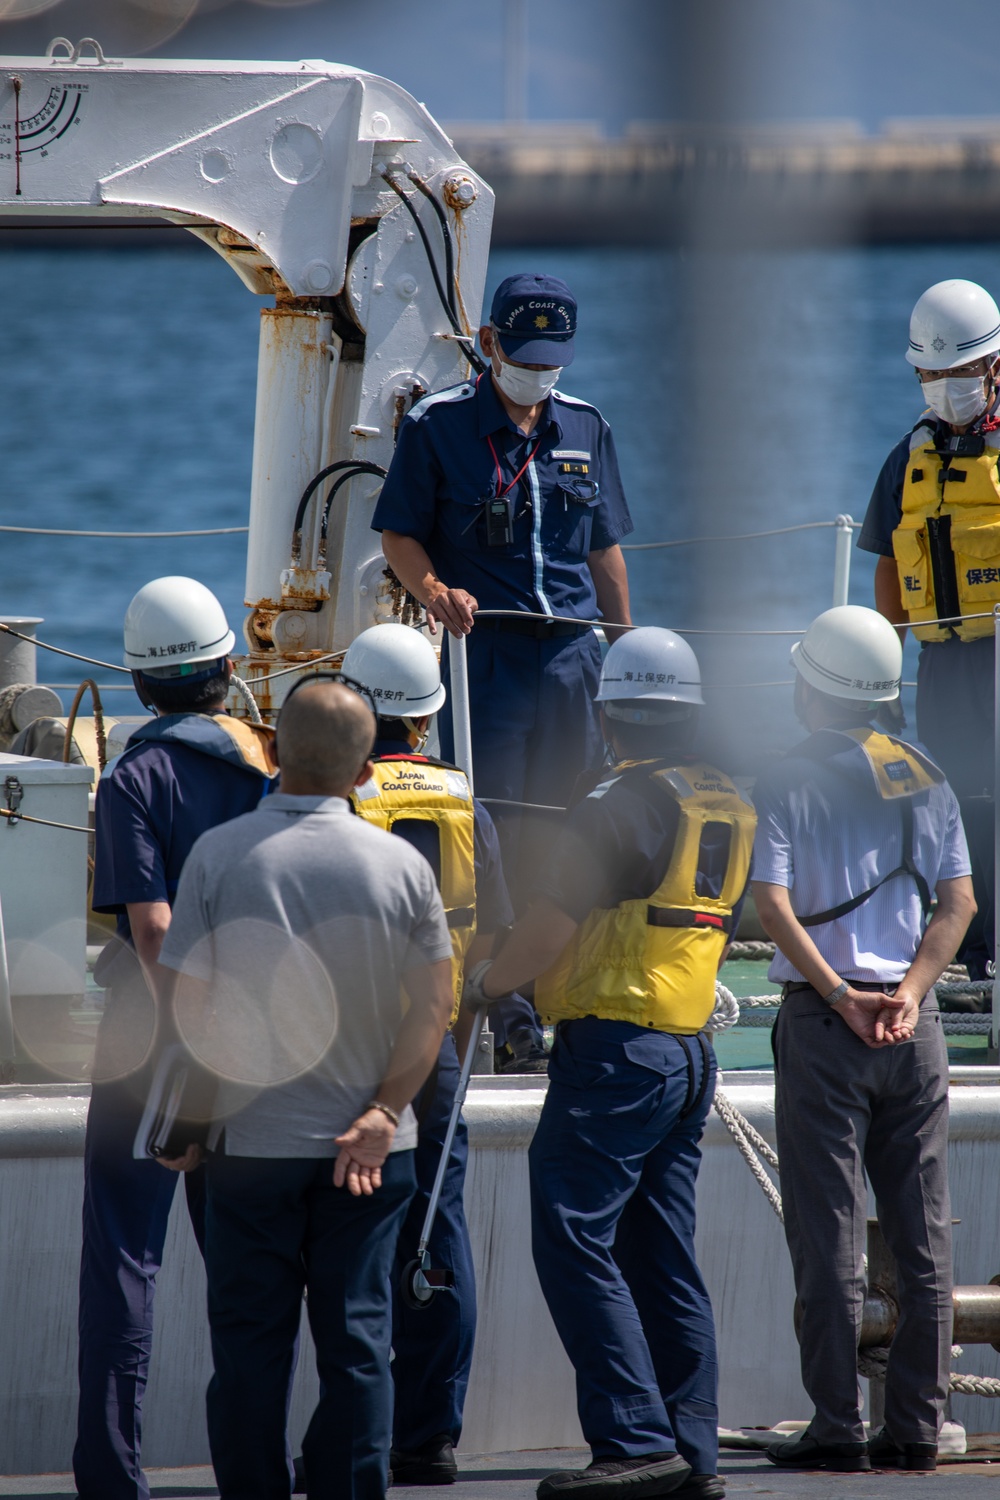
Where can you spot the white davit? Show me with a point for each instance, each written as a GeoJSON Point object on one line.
{"type": "Point", "coordinates": [648, 666]}
{"type": "Point", "coordinates": [175, 622]}
{"type": "Point", "coordinates": [953, 323]}
{"type": "Point", "coordinates": [399, 668]}
{"type": "Point", "coordinates": [851, 652]}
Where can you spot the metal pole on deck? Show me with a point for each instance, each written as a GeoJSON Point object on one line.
{"type": "Point", "coordinates": [460, 717]}
{"type": "Point", "coordinates": [842, 559]}
{"type": "Point", "coordinates": [995, 1027]}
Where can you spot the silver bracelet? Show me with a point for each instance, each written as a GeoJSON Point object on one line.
{"type": "Point", "coordinates": [390, 1114]}
{"type": "Point", "coordinates": [838, 993]}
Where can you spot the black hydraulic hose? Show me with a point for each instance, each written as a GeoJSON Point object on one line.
{"type": "Point", "coordinates": [359, 468]}
{"type": "Point", "coordinates": [449, 248]}
{"type": "Point", "coordinates": [407, 202]}
{"type": "Point", "coordinates": [447, 302]}
{"type": "Point", "coordinates": [314, 483]}
{"type": "Point", "coordinates": [354, 465]}
{"type": "Point", "coordinates": [468, 343]}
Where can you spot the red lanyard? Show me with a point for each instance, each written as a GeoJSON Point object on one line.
{"type": "Point", "coordinates": [505, 489]}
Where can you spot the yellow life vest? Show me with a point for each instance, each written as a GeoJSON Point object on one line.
{"type": "Point", "coordinates": [654, 961]}
{"type": "Point", "coordinates": [947, 543]}
{"type": "Point", "coordinates": [417, 788]}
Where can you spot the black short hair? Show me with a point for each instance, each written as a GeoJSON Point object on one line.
{"type": "Point", "coordinates": [175, 695]}
{"type": "Point", "coordinates": [392, 729]}
{"type": "Point", "coordinates": [655, 741]}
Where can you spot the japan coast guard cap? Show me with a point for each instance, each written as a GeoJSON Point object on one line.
{"type": "Point", "coordinates": [535, 317]}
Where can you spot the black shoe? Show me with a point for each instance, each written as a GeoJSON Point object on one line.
{"type": "Point", "coordinates": [432, 1463]}
{"type": "Point", "coordinates": [299, 1487]}
{"type": "Point", "coordinates": [523, 1052]}
{"type": "Point", "coordinates": [807, 1452]}
{"type": "Point", "coordinates": [885, 1453]}
{"type": "Point", "coordinates": [618, 1479]}
{"type": "Point", "coordinates": [701, 1487]}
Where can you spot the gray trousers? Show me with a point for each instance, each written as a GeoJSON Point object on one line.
{"type": "Point", "coordinates": [842, 1109]}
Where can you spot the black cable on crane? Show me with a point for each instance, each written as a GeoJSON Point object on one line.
{"type": "Point", "coordinates": [462, 338]}
{"type": "Point", "coordinates": [307, 493]}
{"type": "Point", "coordinates": [449, 248]}
{"type": "Point", "coordinates": [359, 468]}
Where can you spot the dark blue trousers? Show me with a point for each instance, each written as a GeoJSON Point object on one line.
{"type": "Point", "coordinates": [613, 1167]}
{"type": "Point", "coordinates": [433, 1346]}
{"type": "Point", "coordinates": [535, 728]}
{"type": "Point", "coordinates": [955, 722]}
{"type": "Point", "coordinates": [126, 1204]}
{"type": "Point", "coordinates": [276, 1227]}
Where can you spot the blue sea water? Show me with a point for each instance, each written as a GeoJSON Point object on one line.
{"type": "Point", "coordinates": [746, 391]}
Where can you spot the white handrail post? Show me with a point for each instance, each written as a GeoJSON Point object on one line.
{"type": "Point", "coordinates": [460, 717]}
{"type": "Point", "coordinates": [995, 1026]}
{"type": "Point", "coordinates": [842, 559]}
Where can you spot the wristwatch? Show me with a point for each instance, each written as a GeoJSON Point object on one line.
{"type": "Point", "coordinates": [837, 994]}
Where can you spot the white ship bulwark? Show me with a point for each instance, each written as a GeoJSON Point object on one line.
{"type": "Point", "coordinates": [522, 1391]}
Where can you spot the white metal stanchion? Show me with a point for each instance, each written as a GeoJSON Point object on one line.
{"type": "Point", "coordinates": [995, 1028]}
{"type": "Point", "coordinates": [843, 541]}
{"type": "Point", "coordinates": [461, 723]}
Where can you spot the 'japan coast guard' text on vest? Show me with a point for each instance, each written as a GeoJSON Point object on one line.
{"type": "Point", "coordinates": [417, 788]}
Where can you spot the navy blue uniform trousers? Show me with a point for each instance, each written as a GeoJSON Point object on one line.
{"type": "Point", "coordinates": [955, 722]}
{"type": "Point", "coordinates": [126, 1205]}
{"type": "Point", "coordinates": [433, 1345]}
{"type": "Point", "coordinates": [276, 1228]}
{"type": "Point", "coordinates": [613, 1167]}
{"type": "Point", "coordinates": [535, 728]}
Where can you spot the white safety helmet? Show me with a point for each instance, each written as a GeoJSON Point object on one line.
{"type": "Point", "coordinates": [644, 672]}
{"type": "Point", "coordinates": [399, 668]}
{"type": "Point", "coordinates": [953, 323]}
{"type": "Point", "coordinates": [175, 623]}
{"type": "Point", "coordinates": [851, 652]}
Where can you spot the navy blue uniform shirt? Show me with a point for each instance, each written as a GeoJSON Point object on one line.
{"type": "Point", "coordinates": [616, 846]}
{"type": "Point", "coordinates": [443, 471]}
{"type": "Point", "coordinates": [493, 908]}
{"type": "Point", "coordinates": [153, 802]}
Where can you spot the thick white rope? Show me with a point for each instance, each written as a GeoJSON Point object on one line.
{"type": "Point", "coordinates": [248, 698]}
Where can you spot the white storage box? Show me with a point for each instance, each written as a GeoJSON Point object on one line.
{"type": "Point", "coordinates": [43, 875]}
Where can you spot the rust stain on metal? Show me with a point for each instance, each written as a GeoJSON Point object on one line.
{"type": "Point", "coordinates": [306, 588]}
{"type": "Point", "coordinates": [234, 241]}
{"type": "Point", "coordinates": [460, 193]}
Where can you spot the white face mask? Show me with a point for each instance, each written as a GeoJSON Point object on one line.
{"type": "Point", "coordinates": [958, 399]}
{"type": "Point", "coordinates": [524, 387]}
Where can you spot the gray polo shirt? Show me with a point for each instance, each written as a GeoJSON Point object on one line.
{"type": "Point", "coordinates": [303, 920]}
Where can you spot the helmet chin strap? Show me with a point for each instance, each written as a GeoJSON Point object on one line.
{"type": "Point", "coordinates": [421, 734]}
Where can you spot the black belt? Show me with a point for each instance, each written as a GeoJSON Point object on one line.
{"type": "Point", "coordinates": [670, 916]}
{"type": "Point", "coordinates": [540, 630]}
{"type": "Point", "coordinates": [461, 916]}
{"type": "Point", "coordinates": [799, 986]}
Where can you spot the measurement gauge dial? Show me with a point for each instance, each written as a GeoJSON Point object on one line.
{"type": "Point", "coordinates": [30, 132]}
